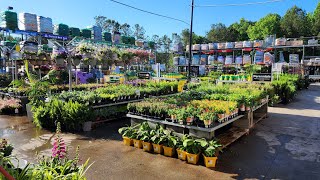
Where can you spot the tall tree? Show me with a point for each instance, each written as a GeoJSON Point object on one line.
{"type": "Point", "coordinates": [196, 39]}
{"type": "Point", "coordinates": [139, 32]}
{"type": "Point", "coordinates": [166, 43]}
{"type": "Point", "coordinates": [241, 28]}
{"type": "Point", "coordinates": [295, 23]}
{"type": "Point", "coordinates": [125, 29]}
{"type": "Point", "coordinates": [268, 25]}
{"type": "Point", "coordinates": [218, 33]}
{"type": "Point", "coordinates": [106, 24]}
{"type": "Point", "coordinates": [316, 20]}
{"type": "Point", "coordinates": [157, 40]}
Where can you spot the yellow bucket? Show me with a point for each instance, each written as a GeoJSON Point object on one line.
{"type": "Point", "coordinates": [127, 141]}
{"type": "Point", "coordinates": [146, 146]}
{"type": "Point", "coordinates": [157, 148]}
{"type": "Point", "coordinates": [210, 162]}
{"type": "Point", "coordinates": [182, 155]}
{"type": "Point", "coordinates": [137, 143]}
{"type": "Point", "coordinates": [192, 158]}
{"type": "Point", "coordinates": [168, 151]}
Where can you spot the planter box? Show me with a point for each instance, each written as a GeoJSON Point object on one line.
{"type": "Point", "coordinates": [87, 126]}
{"type": "Point", "coordinates": [29, 112]}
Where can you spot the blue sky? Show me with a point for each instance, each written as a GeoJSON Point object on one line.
{"type": "Point", "coordinates": [80, 13]}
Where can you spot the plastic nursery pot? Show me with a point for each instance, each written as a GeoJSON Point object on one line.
{"type": "Point", "coordinates": [210, 162]}
{"type": "Point", "coordinates": [189, 120]}
{"type": "Point", "coordinates": [193, 158]}
{"type": "Point", "coordinates": [137, 143]}
{"type": "Point", "coordinates": [242, 107]}
{"type": "Point", "coordinates": [221, 116]}
{"type": "Point", "coordinates": [146, 146]}
{"type": "Point", "coordinates": [168, 151]}
{"type": "Point", "coordinates": [207, 123]}
{"type": "Point", "coordinates": [182, 155]}
{"type": "Point", "coordinates": [248, 108]}
{"type": "Point", "coordinates": [127, 141]}
{"type": "Point", "coordinates": [157, 148]}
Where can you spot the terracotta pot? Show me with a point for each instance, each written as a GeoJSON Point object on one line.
{"type": "Point", "coordinates": [242, 107]}
{"type": "Point", "coordinates": [221, 116]}
{"type": "Point", "coordinates": [173, 117]}
{"type": "Point", "coordinates": [207, 123]}
{"type": "Point", "coordinates": [189, 120]}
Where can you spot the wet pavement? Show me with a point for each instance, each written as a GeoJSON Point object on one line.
{"type": "Point", "coordinates": [286, 145]}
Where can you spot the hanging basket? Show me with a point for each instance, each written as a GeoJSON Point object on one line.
{"type": "Point", "coordinates": [93, 62]}
{"type": "Point", "coordinates": [114, 56]}
{"type": "Point", "coordinates": [76, 62]}
{"type": "Point", "coordinates": [59, 61]}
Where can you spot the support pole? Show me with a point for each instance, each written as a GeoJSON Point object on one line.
{"type": "Point", "coordinates": [190, 42]}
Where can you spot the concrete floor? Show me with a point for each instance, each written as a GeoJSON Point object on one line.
{"type": "Point", "coordinates": [284, 146]}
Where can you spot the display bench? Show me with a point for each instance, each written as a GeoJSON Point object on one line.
{"type": "Point", "coordinates": [226, 132]}
{"type": "Point", "coordinates": [239, 127]}
{"type": "Point", "coordinates": [258, 113]}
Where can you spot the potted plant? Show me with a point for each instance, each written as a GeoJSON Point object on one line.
{"type": "Point", "coordinates": [76, 59]}
{"type": "Point", "coordinates": [190, 111]}
{"type": "Point", "coordinates": [193, 150]}
{"type": "Point", "coordinates": [181, 150]}
{"type": "Point", "coordinates": [207, 117]}
{"type": "Point", "coordinates": [220, 111]}
{"type": "Point", "coordinates": [181, 115]}
{"type": "Point", "coordinates": [145, 134]}
{"type": "Point", "coordinates": [60, 57]}
{"type": "Point", "coordinates": [169, 144]}
{"type": "Point", "coordinates": [173, 114]}
{"type": "Point", "coordinates": [210, 153]}
{"type": "Point", "coordinates": [157, 140]}
{"type": "Point", "coordinates": [127, 133]}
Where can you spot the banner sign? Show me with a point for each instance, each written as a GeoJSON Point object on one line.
{"type": "Point", "coordinates": [52, 36]}
{"type": "Point", "coordinates": [262, 77]}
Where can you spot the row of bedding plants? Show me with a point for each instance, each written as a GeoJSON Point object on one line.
{"type": "Point", "coordinates": [162, 141]}
{"type": "Point", "coordinates": [57, 166]}
{"type": "Point", "coordinates": [203, 105]}
{"type": "Point", "coordinates": [9, 106]}
{"type": "Point", "coordinates": [287, 85]}
{"type": "Point", "coordinates": [75, 109]}
{"type": "Point", "coordinates": [120, 93]}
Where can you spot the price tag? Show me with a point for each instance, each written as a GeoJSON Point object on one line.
{"type": "Point", "coordinates": [171, 88]}
{"type": "Point", "coordinates": [138, 92]}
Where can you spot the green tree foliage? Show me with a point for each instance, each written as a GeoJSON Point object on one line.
{"type": "Point", "coordinates": [295, 23]}
{"type": "Point", "coordinates": [196, 39]}
{"type": "Point", "coordinates": [218, 33]}
{"type": "Point", "coordinates": [268, 25]}
{"type": "Point", "coordinates": [316, 20]}
{"type": "Point", "coordinates": [166, 43]}
{"type": "Point", "coordinates": [139, 32]}
{"type": "Point", "coordinates": [241, 28]}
